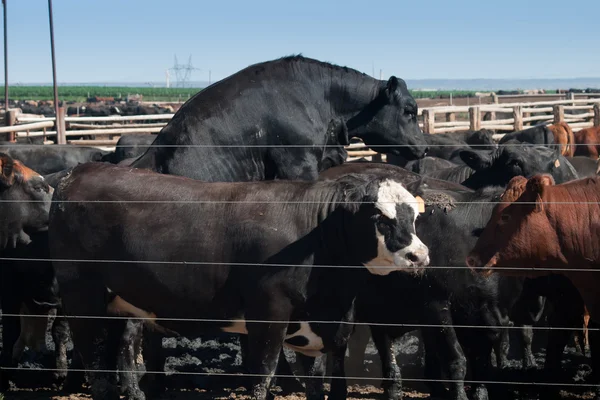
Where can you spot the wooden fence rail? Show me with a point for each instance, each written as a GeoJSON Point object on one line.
{"type": "Point", "coordinates": [521, 114]}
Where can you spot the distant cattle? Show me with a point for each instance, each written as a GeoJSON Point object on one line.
{"type": "Point", "coordinates": [249, 127]}
{"type": "Point", "coordinates": [588, 142]}
{"type": "Point", "coordinates": [50, 159]}
{"type": "Point", "coordinates": [233, 238]}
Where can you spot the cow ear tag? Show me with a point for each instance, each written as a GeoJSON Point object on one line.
{"type": "Point", "coordinates": [557, 163]}
{"type": "Point", "coordinates": [421, 204]}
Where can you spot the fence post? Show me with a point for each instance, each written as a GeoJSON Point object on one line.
{"type": "Point", "coordinates": [597, 114]}
{"type": "Point", "coordinates": [518, 116]}
{"type": "Point", "coordinates": [10, 119]}
{"type": "Point", "coordinates": [61, 127]}
{"type": "Point", "coordinates": [475, 118]}
{"type": "Point", "coordinates": [572, 97]}
{"type": "Point", "coordinates": [450, 117]}
{"type": "Point", "coordinates": [494, 98]}
{"type": "Point", "coordinates": [428, 121]}
{"type": "Point", "coordinates": [559, 113]}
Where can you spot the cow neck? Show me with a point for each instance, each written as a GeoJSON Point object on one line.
{"type": "Point", "coordinates": [575, 224]}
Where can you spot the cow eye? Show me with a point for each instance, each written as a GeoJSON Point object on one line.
{"type": "Point", "coordinates": [383, 228]}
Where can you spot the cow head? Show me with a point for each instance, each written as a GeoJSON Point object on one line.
{"type": "Point", "coordinates": [390, 119]}
{"type": "Point", "coordinates": [519, 232]}
{"type": "Point", "coordinates": [26, 202]}
{"type": "Point", "coordinates": [481, 140]}
{"type": "Point", "coordinates": [386, 240]}
{"type": "Point", "coordinates": [498, 167]}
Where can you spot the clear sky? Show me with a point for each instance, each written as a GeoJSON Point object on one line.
{"type": "Point", "coordinates": [135, 40]}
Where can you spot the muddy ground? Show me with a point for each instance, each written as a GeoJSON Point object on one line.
{"type": "Point", "coordinates": [191, 357]}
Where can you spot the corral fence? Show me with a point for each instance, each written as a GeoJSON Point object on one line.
{"type": "Point", "coordinates": [499, 117]}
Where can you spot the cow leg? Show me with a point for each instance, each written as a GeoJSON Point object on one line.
{"type": "Point", "coordinates": [526, 335]}
{"type": "Point", "coordinates": [339, 387]}
{"type": "Point", "coordinates": [443, 344]}
{"type": "Point", "coordinates": [88, 335]}
{"type": "Point", "coordinates": [392, 377]}
{"type": "Point", "coordinates": [501, 348]}
{"type": "Point", "coordinates": [60, 336]}
{"type": "Point", "coordinates": [265, 340]}
{"type": "Point", "coordinates": [129, 350]}
{"type": "Point", "coordinates": [314, 369]}
{"type": "Point", "coordinates": [153, 383]}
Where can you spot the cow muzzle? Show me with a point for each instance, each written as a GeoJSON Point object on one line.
{"type": "Point", "coordinates": [475, 264]}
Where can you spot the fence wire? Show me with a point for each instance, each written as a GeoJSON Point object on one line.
{"type": "Point", "coordinates": [250, 321]}
{"type": "Point", "coordinates": [324, 322]}
{"type": "Point", "coordinates": [366, 378]}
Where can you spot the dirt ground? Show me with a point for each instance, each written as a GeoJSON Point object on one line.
{"type": "Point", "coordinates": [221, 355]}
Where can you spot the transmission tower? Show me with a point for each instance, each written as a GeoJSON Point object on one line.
{"type": "Point", "coordinates": [183, 72]}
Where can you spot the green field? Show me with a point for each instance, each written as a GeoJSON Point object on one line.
{"type": "Point", "coordinates": [82, 93]}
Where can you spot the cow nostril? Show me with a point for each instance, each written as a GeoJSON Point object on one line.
{"type": "Point", "coordinates": [471, 262]}
{"type": "Point", "coordinates": [412, 257]}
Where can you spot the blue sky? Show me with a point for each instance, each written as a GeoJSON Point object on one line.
{"type": "Point", "coordinates": [135, 40]}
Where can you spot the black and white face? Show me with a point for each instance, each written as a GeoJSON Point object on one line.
{"type": "Point", "coordinates": [398, 247]}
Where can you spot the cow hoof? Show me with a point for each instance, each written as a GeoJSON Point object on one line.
{"type": "Point", "coordinates": [480, 393]}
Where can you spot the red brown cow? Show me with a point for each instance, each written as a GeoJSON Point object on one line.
{"type": "Point", "coordinates": [563, 135]}
{"type": "Point", "coordinates": [588, 143]}
{"type": "Point", "coordinates": [541, 228]}
{"type": "Point", "coordinates": [553, 227]}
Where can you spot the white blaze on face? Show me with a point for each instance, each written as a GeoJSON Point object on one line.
{"type": "Point", "coordinates": [410, 258]}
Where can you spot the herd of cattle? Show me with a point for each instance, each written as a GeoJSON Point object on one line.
{"type": "Point", "coordinates": [242, 217]}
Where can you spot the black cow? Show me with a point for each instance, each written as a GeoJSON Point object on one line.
{"type": "Point", "coordinates": [495, 168]}
{"type": "Point", "coordinates": [50, 159]}
{"type": "Point", "coordinates": [453, 217]}
{"type": "Point", "coordinates": [129, 146]}
{"type": "Point", "coordinates": [377, 217]}
{"type": "Point", "coordinates": [442, 145]}
{"type": "Point", "coordinates": [428, 164]}
{"type": "Point", "coordinates": [285, 119]}
{"type": "Point", "coordinates": [500, 166]}
{"type": "Point", "coordinates": [24, 212]}
{"type": "Point", "coordinates": [539, 134]}
{"type": "Point", "coordinates": [585, 166]}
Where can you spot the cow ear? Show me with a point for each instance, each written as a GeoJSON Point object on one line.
{"type": "Point", "coordinates": [7, 174]}
{"type": "Point", "coordinates": [414, 187]}
{"type": "Point", "coordinates": [536, 186]}
{"type": "Point", "coordinates": [392, 85]}
{"type": "Point", "coordinates": [514, 190]}
{"type": "Point", "coordinates": [476, 160]}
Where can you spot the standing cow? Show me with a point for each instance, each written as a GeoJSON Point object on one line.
{"type": "Point", "coordinates": [553, 228]}
{"type": "Point", "coordinates": [285, 119]}
{"type": "Point", "coordinates": [25, 200]}
{"type": "Point", "coordinates": [255, 244]}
